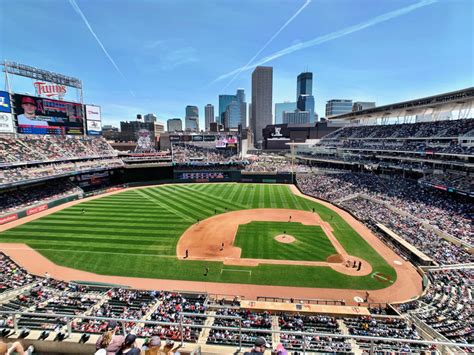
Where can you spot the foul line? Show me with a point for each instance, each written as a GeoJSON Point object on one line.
{"type": "Point", "coordinates": [90, 252]}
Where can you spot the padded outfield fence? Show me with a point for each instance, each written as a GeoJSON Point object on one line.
{"type": "Point", "coordinates": [374, 343]}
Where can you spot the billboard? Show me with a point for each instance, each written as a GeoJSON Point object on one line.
{"type": "Point", "coordinates": [94, 120]}
{"type": "Point", "coordinates": [5, 105]}
{"type": "Point", "coordinates": [6, 123]}
{"type": "Point", "coordinates": [36, 115]}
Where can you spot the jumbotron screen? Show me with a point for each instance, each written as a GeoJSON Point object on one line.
{"type": "Point", "coordinates": [38, 115]}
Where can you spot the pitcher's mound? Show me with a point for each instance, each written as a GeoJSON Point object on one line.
{"type": "Point", "coordinates": [285, 238]}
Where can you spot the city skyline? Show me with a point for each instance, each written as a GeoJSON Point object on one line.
{"type": "Point", "coordinates": [349, 49]}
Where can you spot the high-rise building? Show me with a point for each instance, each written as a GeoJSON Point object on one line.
{"type": "Point", "coordinates": [174, 124]}
{"type": "Point", "coordinates": [362, 105]}
{"type": "Point", "coordinates": [237, 114]}
{"type": "Point", "coordinates": [338, 106]}
{"type": "Point", "coordinates": [281, 107]}
{"type": "Point", "coordinates": [262, 92]}
{"type": "Point", "coordinates": [224, 101]}
{"type": "Point", "coordinates": [306, 103]}
{"type": "Point", "coordinates": [192, 118]}
{"type": "Point", "coordinates": [297, 117]}
{"type": "Point", "coordinates": [304, 84]}
{"type": "Point", "coordinates": [151, 117]}
{"type": "Point", "coordinates": [208, 116]}
{"type": "Point", "coordinates": [304, 93]}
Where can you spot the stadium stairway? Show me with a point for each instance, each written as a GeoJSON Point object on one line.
{"type": "Point", "coordinates": [355, 347]}
{"type": "Point", "coordinates": [275, 326]}
{"type": "Point", "coordinates": [202, 340]}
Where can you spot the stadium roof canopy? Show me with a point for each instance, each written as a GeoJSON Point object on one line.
{"type": "Point", "coordinates": [455, 100]}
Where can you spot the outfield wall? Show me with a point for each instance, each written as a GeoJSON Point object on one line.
{"type": "Point", "coordinates": [38, 208]}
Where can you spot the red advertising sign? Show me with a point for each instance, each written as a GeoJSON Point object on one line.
{"type": "Point", "coordinates": [50, 89]}
{"type": "Point", "coordinates": [36, 210]}
{"type": "Point", "coordinates": [9, 218]}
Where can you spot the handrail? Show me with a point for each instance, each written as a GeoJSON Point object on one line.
{"type": "Point", "coordinates": [253, 330]}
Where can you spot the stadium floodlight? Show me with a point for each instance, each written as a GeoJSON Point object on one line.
{"type": "Point", "coordinates": [40, 74]}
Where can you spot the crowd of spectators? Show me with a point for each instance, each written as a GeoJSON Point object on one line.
{"type": "Point", "coordinates": [447, 306]}
{"type": "Point", "coordinates": [413, 231]}
{"type": "Point", "coordinates": [421, 147]}
{"type": "Point", "coordinates": [188, 153]}
{"type": "Point", "coordinates": [248, 320]}
{"type": "Point", "coordinates": [47, 148]}
{"type": "Point", "coordinates": [393, 327]}
{"type": "Point", "coordinates": [312, 323]}
{"type": "Point", "coordinates": [18, 199]}
{"type": "Point", "coordinates": [444, 128]}
{"type": "Point", "coordinates": [272, 163]}
{"type": "Point", "coordinates": [12, 276]}
{"type": "Point", "coordinates": [439, 209]}
{"type": "Point", "coordinates": [38, 171]}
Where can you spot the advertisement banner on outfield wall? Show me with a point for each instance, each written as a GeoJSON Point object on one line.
{"type": "Point", "coordinates": [94, 119]}
{"type": "Point", "coordinates": [38, 115]}
{"type": "Point", "coordinates": [10, 218]}
{"type": "Point", "coordinates": [5, 104]}
{"type": "Point", "coordinates": [36, 209]}
{"type": "Point", "coordinates": [6, 123]}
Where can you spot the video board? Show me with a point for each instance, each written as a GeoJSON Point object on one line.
{"type": "Point", "coordinates": [37, 115]}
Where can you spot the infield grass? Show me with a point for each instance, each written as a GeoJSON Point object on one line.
{"type": "Point", "coordinates": [135, 232]}
{"type": "Point", "coordinates": [257, 241]}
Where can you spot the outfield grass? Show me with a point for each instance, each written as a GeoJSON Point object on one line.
{"type": "Point", "coordinates": [134, 233]}
{"type": "Point", "coordinates": [257, 240]}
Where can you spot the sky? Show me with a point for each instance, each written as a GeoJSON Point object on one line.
{"type": "Point", "coordinates": [157, 56]}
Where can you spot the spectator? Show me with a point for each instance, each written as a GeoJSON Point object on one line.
{"type": "Point", "coordinates": [110, 341]}
{"type": "Point", "coordinates": [259, 347]}
{"type": "Point", "coordinates": [129, 346]}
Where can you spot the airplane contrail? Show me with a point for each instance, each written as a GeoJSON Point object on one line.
{"type": "Point", "coordinates": [268, 42]}
{"type": "Point", "coordinates": [331, 36]}
{"type": "Point", "coordinates": [86, 22]}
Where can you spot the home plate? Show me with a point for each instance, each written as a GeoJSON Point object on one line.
{"type": "Point", "coordinates": [397, 262]}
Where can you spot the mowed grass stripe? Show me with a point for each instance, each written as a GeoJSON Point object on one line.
{"type": "Point", "coordinates": [194, 201]}
{"type": "Point", "coordinates": [172, 207]}
{"type": "Point", "coordinates": [212, 200]}
{"type": "Point", "coordinates": [177, 203]}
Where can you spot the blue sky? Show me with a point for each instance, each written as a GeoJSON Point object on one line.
{"type": "Point", "coordinates": [164, 55]}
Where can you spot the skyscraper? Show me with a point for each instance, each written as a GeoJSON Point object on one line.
{"type": "Point", "coordinates": [304, 84]}
{"type": "Point", "coordinates": [209, 116]}
{"type": "Point", "coordinates": [238, 112]}
{"type": "Point", "coordinates": [281, 107]}
{"type": "Point", "coordinates": [174, 124]}
{"type": "Point", "coordinates": [306, 103]}
{"type": "Point", "coordinates": [304, 93]}
{"type": "Point", "coordinates": [338, 106]}
{"type": "Point", "coordinates": [192, 118]}
{"type": "Point", "coordinates": [262, 92]}
{"type": "Point", "coordinates": [224, 101]}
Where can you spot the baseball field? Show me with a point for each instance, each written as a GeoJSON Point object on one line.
{"type": "Point", "coordinates": [137, 233]}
